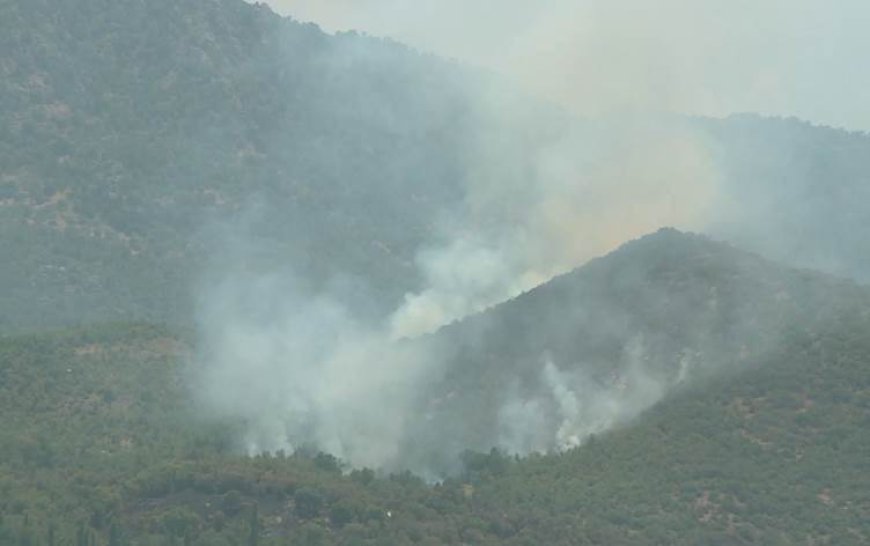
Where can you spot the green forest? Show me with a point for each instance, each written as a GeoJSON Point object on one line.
{"type": "Point", "coordinates": [149, 149]}
{"type": "Point", "coordinates": [102, 446]}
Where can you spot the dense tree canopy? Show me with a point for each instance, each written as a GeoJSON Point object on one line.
{"type": "Point", "coordinates": [146, 144]}
{"type": "Point", "coordinates": [100, 440]}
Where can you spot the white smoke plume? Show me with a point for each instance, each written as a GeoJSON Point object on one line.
{"type": "Point", "coordinates": [540, 197]}
{"type": "Point", "coordinates": [302, 371]}
{"type": "Point", "coordinates": [573, 406]}
{"type": "Point", "coordinates": [578, 197]}
{"type": "Point", "coordinates": [310, 369]}
{"type": "Point", "coordinates": [305, 369]}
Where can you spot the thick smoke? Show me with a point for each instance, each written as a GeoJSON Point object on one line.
{"type": "Point", "coordinates": [542, 193]}
{"type": "Point", "coordinates": [303, 371]}
{"type": "Point", "coordinates": [534, 213]}
{"type": "Point", "coordinates": [307, 368]}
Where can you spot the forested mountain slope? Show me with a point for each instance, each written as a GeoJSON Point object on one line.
{"type": "Point", "coordinates": [595, 347]}
{"type": "Point", "coordinates": [761, 443]}
{"type": "Point", "coordinates": [143, 144]}
{"type": "Point", "coordinates": [128, 127]}
{"type": "Point", "coordinates": [798, 192]}
{"type": "Point", "coordinates": [675, 391]}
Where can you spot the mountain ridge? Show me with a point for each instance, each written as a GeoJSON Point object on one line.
{"type": "Point", "coordinates": [667, 312]}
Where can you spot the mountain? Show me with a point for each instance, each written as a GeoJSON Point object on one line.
{"type": "Point", "coordinates": [797, 191]}
{"type": "Point", "coordinates": [759, 442]}
{"type": "Point", "coordinates": [133, 132]}
{"type": "Point", "coordinates": [147, 145]}
{"type": "Point", "coordinates": [596, 347]}
{"type": "Point", "coordinates": [676, 391]}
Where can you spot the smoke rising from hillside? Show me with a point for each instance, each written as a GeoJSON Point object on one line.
{"type": "Point", "coordinates": [305, 368]}
{"type": "Point", "coordinates": [572, 406]}
{"type": "Point", "coordinates": [541, 193]}
{"type": "Point", "coordinates": [302, 371]}
{"type": "Point", "coordinates": [309, 368]}
{"type": "Point", "coordinates": [532, 214]}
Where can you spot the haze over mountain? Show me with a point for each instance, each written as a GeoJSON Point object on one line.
{"type": "Point", "coordinates": [697, 57]}
{"type": "Point", "coordinates": [144, 144]}
{"type": "Point", "coordinates": [293, 266]}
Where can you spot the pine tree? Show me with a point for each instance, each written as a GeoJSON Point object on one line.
{"type": "Point", "coordinates": [81, 536]}
{"type": "Point", "coordinates": [114, 535]}
{"type": "Point", "coordinates": [255, 530]}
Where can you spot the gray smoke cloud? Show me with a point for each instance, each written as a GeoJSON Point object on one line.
{"type": "Point", "coordinates": [534, 213]}
{"type": "Point", "coordinates": [302, 371]}
{"type": "Point", "coordinates": [307, 368]}
{"type": "Point", "coordinates": [541, 193]}
{"type": "Point", "coordinates": [572, 406]}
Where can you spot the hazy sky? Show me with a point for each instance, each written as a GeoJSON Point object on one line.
{"type": "Point", "coordinates": [808, 58]}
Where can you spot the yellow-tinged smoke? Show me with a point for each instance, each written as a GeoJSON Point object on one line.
{"type": "Point", "coordinates": [585, 194]}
